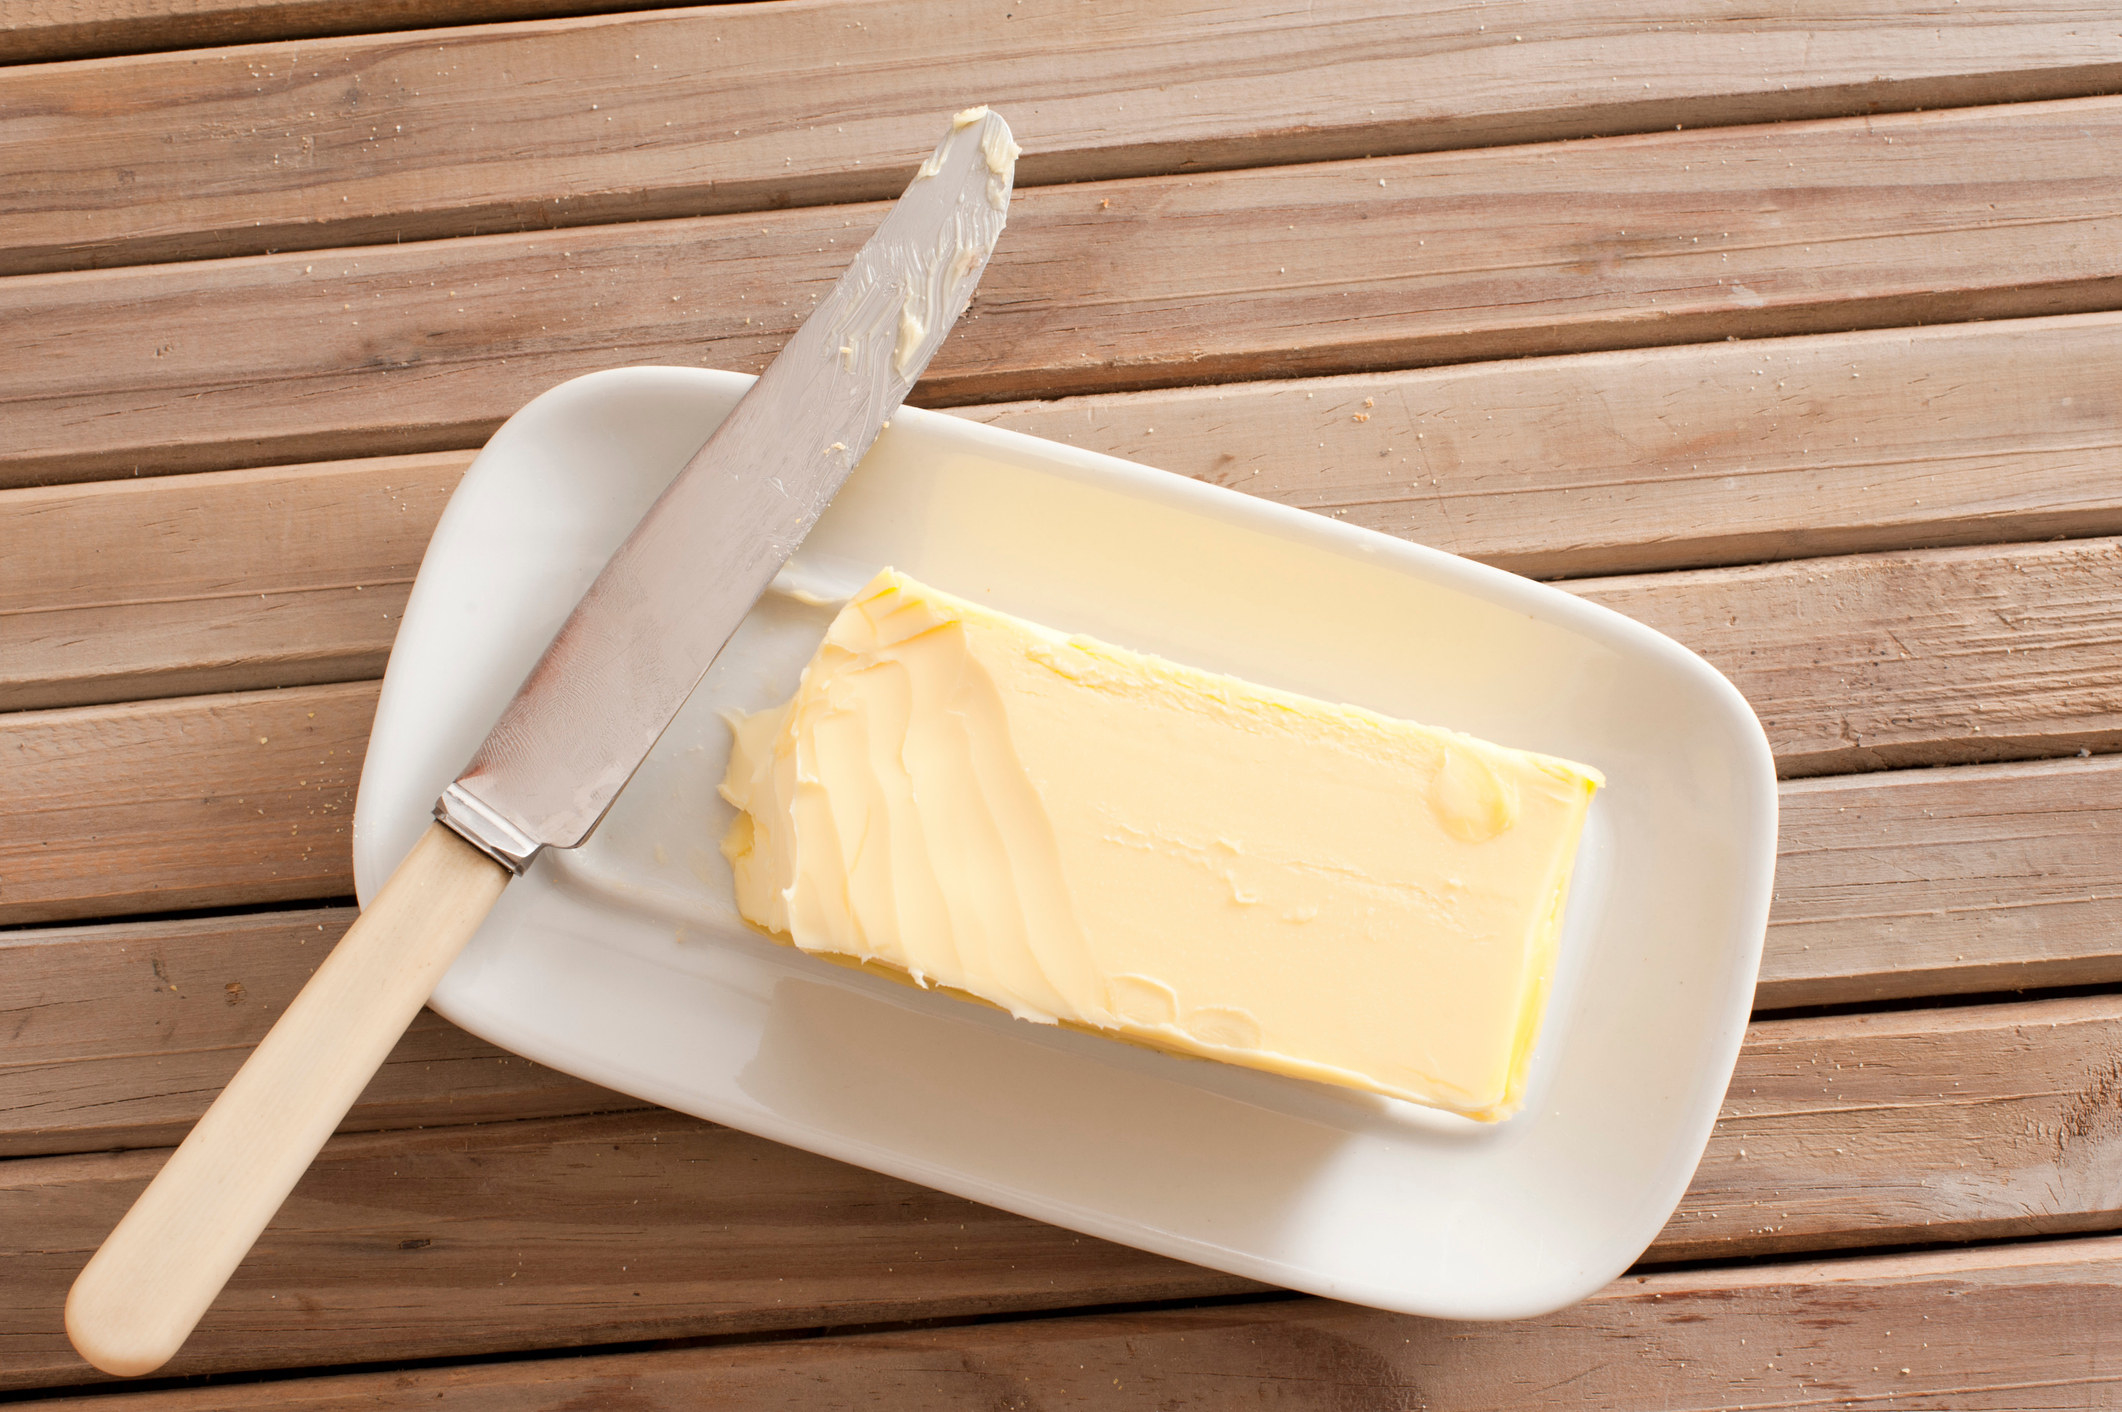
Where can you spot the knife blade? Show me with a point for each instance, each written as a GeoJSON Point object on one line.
{"type": "Point", "coordinates": [649, 626]}
{"type": "Point", "coordinates": [620, 667]}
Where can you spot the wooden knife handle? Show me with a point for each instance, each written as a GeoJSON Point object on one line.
{"type": "Point", "coordinates": [140, 1296]}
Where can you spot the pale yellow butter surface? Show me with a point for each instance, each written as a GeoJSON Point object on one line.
{"type": "Point", "coordinates": [1080, 833]}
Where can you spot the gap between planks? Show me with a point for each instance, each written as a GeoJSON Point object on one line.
{"type": "Point", "coordinates": [363, 141]}
{"type": "Point", "coordinates": [1670, 237]}
{"type": "Point", "coordinates": [1962, 1331]}
{"type": "Point", "coordinates": [1667, 458]}
{"type": "Point", "coordinates": [1970, 1123]}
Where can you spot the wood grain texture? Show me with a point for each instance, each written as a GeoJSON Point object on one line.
{"type": "Point", "coordinates": [418, 136]}
{"type": "Point", "coordinates": [192, 802]}
{"type": "Point", "coordinates": [1666, 458]}
{"type": "Point", "coordinates": [1295, 271]}
{"type": "Point", "coordinates": [556, 1234]}
{"type": "Point", "coordinates": [41, 31]}
{"type": "Point", "coordinates": [1867, 1129]}
{"type": "Point", "coordinates": [1936, 882]}
{"type": "Point", "coordinates": [134, 589]}
{"type": "Point", "coordinates": [1913, 1125]}
{"type": "Point", "coordinates": [1998, 1330]}
{"type": "Point", "coordinates": [1603, 462]}
{"type": "Point", "coordinates": [119, 1034]}
{"type": "Point", "coordinates": [1164, 299]}
{"type": "Point", "coordinates": [1934, 657]}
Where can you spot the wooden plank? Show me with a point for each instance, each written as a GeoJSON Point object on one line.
{"type": "Point", "coordinates": [40, 31]}
{"type": "Point", "coordinates": [1623, 242]}
{"type": "Point", "coordinates": [1956, 1331]}
{"type": "Point", "coordinates": [186, 585]}
{"type": "Point", "coordinates": [456, 1241]}
{"type": "Point", "coordinates": [1935, 657]}
{"type": "Point", "coordinates": [412, 137]}
{"type": "Point", "coordinates": [1930, 882]}
{"type": "Point", "coordinates": [1953, 881]}
{"type": "Point", "coordinates": [1954, 1124]}
{"type": "Point", "coordinates": [194, 802]}
{"type": "Point", "coordinates": [1667, 458]}
{"type": "Point", "coordinates": [1913, 1126]}
{"type": "Point", "coordinates": [231, 581]}
{"type": "Point", "coordinates": [119, 1035]}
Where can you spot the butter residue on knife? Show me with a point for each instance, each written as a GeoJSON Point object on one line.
{"type": "Point", "coordinates": [928, 288]}
{"type": "Point", "coordinates": [996, 148]}
{"type": "Point", "coordinates": [1079, 833]}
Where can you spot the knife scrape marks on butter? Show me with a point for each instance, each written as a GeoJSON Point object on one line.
{"type": "Point", "coordinates": [1081, 833]}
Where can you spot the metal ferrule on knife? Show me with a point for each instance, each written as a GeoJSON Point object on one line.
{"type": "Point", "coordinates": [486, 829]}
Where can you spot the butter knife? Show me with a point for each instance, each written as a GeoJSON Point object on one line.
{"type": "Point", "coordinates": [633, 649]}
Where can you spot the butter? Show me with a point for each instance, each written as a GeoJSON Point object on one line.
{"type": "Point", "coordinates": [1082, 834]}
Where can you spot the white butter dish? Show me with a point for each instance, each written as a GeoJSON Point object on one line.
{"type": "Point", "coordinates": [625, 962]}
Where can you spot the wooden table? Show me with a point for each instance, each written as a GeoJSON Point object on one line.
{"type": "Point", "coordinates": [1789, 336]}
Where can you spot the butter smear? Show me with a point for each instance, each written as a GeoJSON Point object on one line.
{"type": "Point", "coordinates": [1082, 834]}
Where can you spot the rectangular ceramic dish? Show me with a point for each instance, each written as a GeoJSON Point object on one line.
{"type": "Point", "coordinates": [625, 962]}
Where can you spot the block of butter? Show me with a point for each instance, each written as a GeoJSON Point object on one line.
{"type": "Point", "coordinates": [1079, 833]}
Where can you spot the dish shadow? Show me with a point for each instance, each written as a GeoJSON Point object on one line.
{"type": "Point", "coordinates": [881, 1073]}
